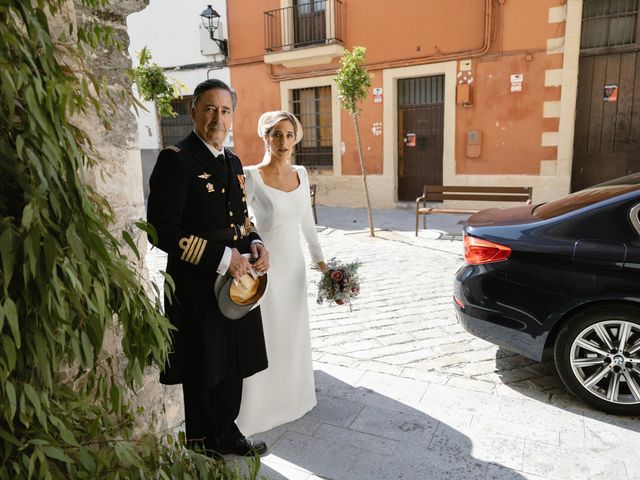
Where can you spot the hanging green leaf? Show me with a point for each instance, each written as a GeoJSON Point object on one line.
{"type": "Point", "coordinates": [153, 85]}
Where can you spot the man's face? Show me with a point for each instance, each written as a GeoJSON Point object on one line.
{"type": "Point", "coordinates": [212, 116]}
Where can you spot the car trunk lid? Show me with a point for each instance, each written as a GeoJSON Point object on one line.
{"type": "Point", "coordinates": [502, 216]}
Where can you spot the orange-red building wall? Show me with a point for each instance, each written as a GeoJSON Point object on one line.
{"type": "Point", "coordinates": [413, 32]}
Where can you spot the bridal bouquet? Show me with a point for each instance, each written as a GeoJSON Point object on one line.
{"type": "Point", "coordinates": [339, 283]}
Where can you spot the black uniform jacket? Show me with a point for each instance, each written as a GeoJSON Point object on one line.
{"type": "Point", "coordinates": [192, 200]}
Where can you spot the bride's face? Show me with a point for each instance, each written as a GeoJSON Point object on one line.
{"type": "Point", "coordinates": [281, 139]}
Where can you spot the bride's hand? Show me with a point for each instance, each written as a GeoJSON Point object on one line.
{"type": "Point", "coordinates": [261, 255]}
{"type": "Point", "coordinates": [322, 266]}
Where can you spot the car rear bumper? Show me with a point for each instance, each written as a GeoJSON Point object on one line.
{"type": "Point", "coordinates": [499, 324]}
{"type": "Point", "coordinates": [504, 337]}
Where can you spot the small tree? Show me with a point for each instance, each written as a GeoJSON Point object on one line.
{"type": "Point", "coordinates": [154, 86]}
{"type": "Point", "coordinates": [353, 80]}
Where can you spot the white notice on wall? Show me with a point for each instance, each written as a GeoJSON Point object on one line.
{"type": "Point", "coordinates": [377, 95]}
{"type": "Point", "coordinates": [516, 82]}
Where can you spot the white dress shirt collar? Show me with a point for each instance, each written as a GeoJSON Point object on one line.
{"type": "Point", "coordinates": [211, 148]}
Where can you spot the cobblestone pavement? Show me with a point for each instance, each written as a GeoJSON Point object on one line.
{"type": "Point", "coordinates": [405, 393]}
{"type": "Point", "coordinates": [404, 323]}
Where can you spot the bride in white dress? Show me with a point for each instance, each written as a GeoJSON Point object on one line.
{"type": "Point", "coordinates": [278, 199]}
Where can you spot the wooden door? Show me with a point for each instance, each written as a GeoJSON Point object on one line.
{"type": "Point", "coordinates": [310, 23]}
{"type": "Point", "coordinates": [420, 135]}
{"type": "Point", "coordinates": [607, 134]}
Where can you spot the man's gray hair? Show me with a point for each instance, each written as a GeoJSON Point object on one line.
{"type": "Point", "coordinates": [210, 85]}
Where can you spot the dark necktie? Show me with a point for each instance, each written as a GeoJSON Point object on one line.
{"type": "Point", "coordinates": [222, 161]}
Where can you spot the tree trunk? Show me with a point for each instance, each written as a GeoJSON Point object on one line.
{"type": "Point", "coordinates": [364, 175]}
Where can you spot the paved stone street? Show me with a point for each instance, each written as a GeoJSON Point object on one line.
{"type": "Point", "coordinates": [405, 393]}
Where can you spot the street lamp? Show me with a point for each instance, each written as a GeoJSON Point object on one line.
{"type": "Point", "coordinates": [211, 21]}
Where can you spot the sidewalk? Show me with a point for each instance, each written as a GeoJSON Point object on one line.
{"type": "Point", "coordinates": [405, 393]}
{"type": "Point", "coordinates": [404, 220]}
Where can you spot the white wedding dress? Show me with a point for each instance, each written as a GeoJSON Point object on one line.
{"type": "Point", "coordinates": [285, 391]}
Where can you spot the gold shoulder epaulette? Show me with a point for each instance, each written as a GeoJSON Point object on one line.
{"type": "Point", "coordinates": [172, 147]}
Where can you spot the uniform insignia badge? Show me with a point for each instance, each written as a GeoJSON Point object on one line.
{"type": "Point", "coordinates": [247, 228]}
{"type": "Point", "coordinates": [210, 188]}
{"type": "Point", "coordinates": [204, 175]}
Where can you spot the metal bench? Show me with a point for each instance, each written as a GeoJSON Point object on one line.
{"type": "Point", "coordinates": [440, 193]}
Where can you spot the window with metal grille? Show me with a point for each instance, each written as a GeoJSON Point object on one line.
{"type": "Point", "coordinates": [609, 23]}
{"type": "Point", "coordinates": [312, 106]}
{"type": "Point", "coordinates": [176, 128]}
{"type": "Point", "coordinates": [421, 91]}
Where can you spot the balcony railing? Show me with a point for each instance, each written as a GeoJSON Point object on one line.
{"type": "Point", "coordinates": [312, 23]}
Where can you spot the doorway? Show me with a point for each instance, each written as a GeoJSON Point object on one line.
{"type": "Point", "coordinates": [607, 127]}
{"type": "Point", "coordinates": [420, 134]}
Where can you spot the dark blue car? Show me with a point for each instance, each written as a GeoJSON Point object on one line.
{"type": "Point", "coordinates": [566, 275]}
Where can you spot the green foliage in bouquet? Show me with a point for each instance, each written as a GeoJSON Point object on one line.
{"type": "Point", "coordinates": [65, 281]}
{"type": "Point", "coordinates": [340, 283]}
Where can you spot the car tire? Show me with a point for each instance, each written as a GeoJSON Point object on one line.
{"type": "Point", "coordinates": [597, 355]}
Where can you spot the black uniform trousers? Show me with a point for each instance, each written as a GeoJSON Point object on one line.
{"type": "Point", "coordinates": [210, 412]}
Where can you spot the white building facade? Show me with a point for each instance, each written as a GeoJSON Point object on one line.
{"type": "Point", "coordinates": [174, 34]}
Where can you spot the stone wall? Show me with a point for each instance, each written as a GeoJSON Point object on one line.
{"type": "Point", "coordinates": [118, 177]}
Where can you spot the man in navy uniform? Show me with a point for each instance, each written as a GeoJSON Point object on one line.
{"type": "Point", "coordinates": [198, 207]}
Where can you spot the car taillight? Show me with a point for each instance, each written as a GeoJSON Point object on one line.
{"type": "Point", "coordinates": [477, 251]}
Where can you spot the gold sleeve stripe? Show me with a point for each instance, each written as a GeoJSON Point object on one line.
{"type": "Point", "coordinates": [197, 250]}
{"type": "Point", "coordinates": [187, 252]}
{"type": "Point", "coordinates": [200, 252]}
{"type": "Point", "coordinates": [193, 248]}
{"type": "Point", "coordinates": [185, 245]}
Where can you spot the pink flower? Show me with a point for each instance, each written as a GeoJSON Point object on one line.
{"type": "Point", "coordinates": [336, 275]}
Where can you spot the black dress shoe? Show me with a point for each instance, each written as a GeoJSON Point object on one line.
{"type": "Point", "coordinates": [243, 446]}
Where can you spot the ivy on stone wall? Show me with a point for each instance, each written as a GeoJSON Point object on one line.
{"type": "Point", "coordinates": [65, 282]}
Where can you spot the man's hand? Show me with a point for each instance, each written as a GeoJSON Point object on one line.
{"type": "Point", "coordinates": [239, 264]}
{"type": "Point", "coordinates": [260, 254]}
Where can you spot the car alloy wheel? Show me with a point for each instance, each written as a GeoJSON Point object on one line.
{"type": "Point", "coordinates": [597, 354]}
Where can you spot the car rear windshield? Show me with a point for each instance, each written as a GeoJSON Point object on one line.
{"type": "Point", "coordinates": [581, 199]}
